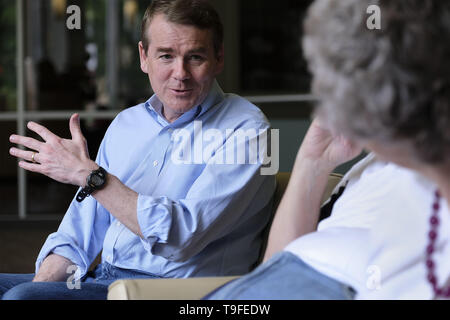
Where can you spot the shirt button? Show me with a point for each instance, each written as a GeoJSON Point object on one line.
{"type": "Point", "coordinates": [118, 223]}
{"type": "Point", "coordinates": [155, 163]}
{"type": "Point", "coordinates": [109, 258]}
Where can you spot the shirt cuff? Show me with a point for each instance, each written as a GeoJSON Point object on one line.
{"type": "Point", "coordinates": [64, 246]}
{"type": "Point", "coordinates": [155, 219]}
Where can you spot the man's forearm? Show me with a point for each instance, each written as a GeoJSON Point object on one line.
{"type": "Point", "coordinates": [53, 268]}
{"type": "Point", "coordinates": [121, 202]}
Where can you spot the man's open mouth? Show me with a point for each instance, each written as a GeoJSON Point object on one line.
{"type": "Point", "coordinates": [181, 92]}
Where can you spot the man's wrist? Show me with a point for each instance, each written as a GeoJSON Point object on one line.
{"type": "Point", "coordinates": [85, 172]}
{"type": "Point", "coordinates": [96, 180]}
{"type": "Point", "coordinates": [53, 268]}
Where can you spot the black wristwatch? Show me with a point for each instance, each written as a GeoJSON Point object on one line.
{"type": "Point", "coordinates": [96, 180]}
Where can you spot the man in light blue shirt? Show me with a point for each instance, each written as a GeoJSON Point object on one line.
{"type": "Point", "coordinates": [178, 187]}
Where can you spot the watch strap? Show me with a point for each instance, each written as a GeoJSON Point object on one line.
{"type": "Point", "coordinates": [88, 189]}
{"type": "Point", "coordinates": [84, 193]}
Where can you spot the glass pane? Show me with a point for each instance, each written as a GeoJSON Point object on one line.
{"type": "Point", "coordinates": [64, 67]}
{"type": "Point", "coordinates": [47, 197]}
{"type": "Point", "coordinates": [271, 53]}
{"type": "Point", "coordinates": [287, 110]}
{"type": "Point", "coordinates": [292, 119]}
{"type": "Point", "coordinates": [8, 172]}
{"type": "Point", "coordinates": [134, 85]}
{"type": "Point", "coordinates": [7, 55]}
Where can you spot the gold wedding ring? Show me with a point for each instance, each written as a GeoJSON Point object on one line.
{"type": "Point", "coordinates": [32, 157]}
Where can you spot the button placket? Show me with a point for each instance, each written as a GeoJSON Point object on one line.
{"type": "Point", "coordinates": [164, 141]}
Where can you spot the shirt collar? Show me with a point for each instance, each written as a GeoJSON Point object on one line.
{"type": "Point", "coordinates": [215, 96]}
{"type": "Point", "coordinates": [154, 105]}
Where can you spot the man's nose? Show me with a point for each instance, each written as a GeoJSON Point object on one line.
{"type": "Point", "coordinates": [181, 71]}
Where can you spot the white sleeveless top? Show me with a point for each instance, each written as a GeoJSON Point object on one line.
{"type": "Point", "coordinates": [376, 237]}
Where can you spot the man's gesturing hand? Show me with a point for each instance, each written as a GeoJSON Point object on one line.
{"type": "Point", "coordinates": [64, 160]}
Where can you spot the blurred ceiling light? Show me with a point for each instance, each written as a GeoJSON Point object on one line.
{"type": "Point", "coordinates": [130, 11]}
{"type": "Point", "coordinates": [59, 8]}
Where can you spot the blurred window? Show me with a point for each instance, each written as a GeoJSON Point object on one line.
{"type": "Point", "coordinates": [49, 71]}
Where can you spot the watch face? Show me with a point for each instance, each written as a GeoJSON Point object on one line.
{"type": "Point", "coordinates": [96, 179]}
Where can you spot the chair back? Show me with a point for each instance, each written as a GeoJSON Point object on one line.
{"type": "Point", "coordinates": [282, 179]}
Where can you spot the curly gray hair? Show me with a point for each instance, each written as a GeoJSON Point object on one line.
{"type": "Point", "coordinates": [387, 84]}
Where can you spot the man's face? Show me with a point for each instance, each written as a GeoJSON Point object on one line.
{"type": "Point", "coordinates": [181, 64]}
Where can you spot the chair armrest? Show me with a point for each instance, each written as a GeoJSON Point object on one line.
{"type": "Point", "coordinates": [164, 289]}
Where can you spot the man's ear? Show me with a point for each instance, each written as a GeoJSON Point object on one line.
{"type": "Point", "coordinates": [143, 57]}
{"type": "Point", "coordinates": [220, 56]}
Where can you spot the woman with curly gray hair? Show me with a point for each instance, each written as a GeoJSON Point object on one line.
{"type": "Point", "coordinates": [386, 90]}
{"type": "Point", "coordinates": [390, 86]}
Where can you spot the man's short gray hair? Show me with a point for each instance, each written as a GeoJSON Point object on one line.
{"type": "Point", "coordinates": [386, 84]}
{"type": "Point", "coordinates": [198, 13]}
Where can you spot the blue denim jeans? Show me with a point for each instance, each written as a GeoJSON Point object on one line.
{"type": "Point", "coordinates": [283, 277]}
{"type": "Point", "coordinates": [94, 286]}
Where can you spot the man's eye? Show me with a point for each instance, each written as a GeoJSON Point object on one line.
{"type": "Point", "coordinates": [196, 57]}
{"type": "Point", "coordinates": [166, 57]}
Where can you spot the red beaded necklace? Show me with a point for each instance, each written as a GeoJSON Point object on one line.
{"type": "Point", "coordinates": [432, 236]}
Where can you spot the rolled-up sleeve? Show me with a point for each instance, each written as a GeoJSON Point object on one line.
{"type": "Point", "coordinates": [80, 235]}
{"type": "Point", "coordinates": [154, 218]}
{"type": "Point", "coordinates": [220, 199]}
{"type": "Point", "coordinates": [64, 246]}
